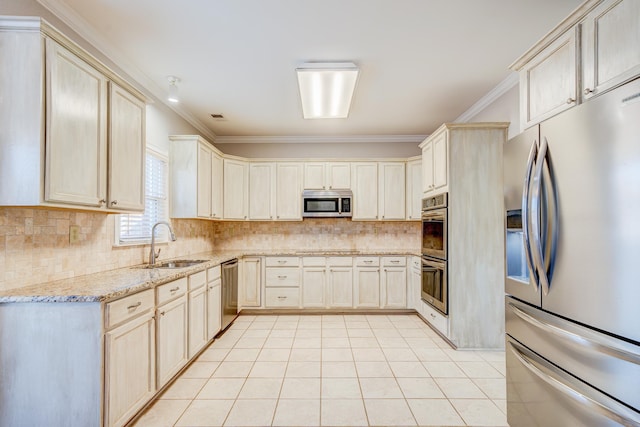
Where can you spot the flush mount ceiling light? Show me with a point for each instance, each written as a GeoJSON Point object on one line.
{"type": "Point", "coordinates": [173, 89]}
{"type": "Point", "coordinates": [326, 88]}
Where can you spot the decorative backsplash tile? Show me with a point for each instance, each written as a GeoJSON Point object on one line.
{"type": "Point", "coordinates": [35, 246]}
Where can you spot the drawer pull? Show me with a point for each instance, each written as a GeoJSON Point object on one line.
{"type": "Point", "coordinates": [433, 316]}
{"type": "Point", "coordinates": [162, 313]}
{"type": "Point", "coordinates": [368, 261]}
{"type": "Point", "coordinates": [177, 288]}
{"type": "Point", "coordinates": [281, 297]}
{"type": "Point", "coordinates": [134, 306]}
{"type": "Point", "coordinates": [395, 261]}
{"type": "Point", "coordinates": [282, 277]}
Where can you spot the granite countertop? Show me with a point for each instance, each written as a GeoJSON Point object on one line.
{"type": "Point", "coordinates": [113, 284]}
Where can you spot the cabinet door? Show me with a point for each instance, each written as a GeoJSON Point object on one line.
{"type": "Point", "coordinates": [340, 287]}
{"type": "Point", "coordinates": [214, 313]}
{"type": "Point", "coordinates": [197, 320]}
{"type": "Point", "coordinates": [427, 168]}
{"type": "Point", "coordinates": [392, 190]}
{"type": "Point", "coordinates": [394, 287]}
{"type": "Point", "coordinates": [414, 190]}
{"type": "Point", "coordinates": [313, 286]}
{"type": "Point", "coordinates": [367, 287]}
{"type": "Point", "coordinates": [548, 81]}
{"type": "Point", "coordinates": [314, 176]}
{"type": "Point", "coordinates": [129, 369]}
{"type": "Point", "coordinates": [204, 181]}
{"type": "Point", "coordinates": [440, 161]}
{"type": "Point", "coordinates": [236, 189]}
{"type": "Point", "coordinates": [171, 339]}
{"type": "Point", "coordinates": [365, 190]}
{"type": "Point", "coordinates": [76, 150]}
{"type": "Point", "coordinates": [251, 282]}
{"type": "Point", "coordinates": [216, 186]}
{"type": "Point", "coordinates": [261, 191]}
{"type": "Point", "coordinates": [126, 150]}
{"type": "Point", "coordinates": [339, 175]}
{"type": "Point", "coordinates": [289, 191]}
{"type": "Point", "coordinates": [611, 36]}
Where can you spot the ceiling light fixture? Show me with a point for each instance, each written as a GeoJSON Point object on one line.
{"type": "Point", "coordinates": [173, 89]}
{"type": "Point", "coordinates": [326, 88]}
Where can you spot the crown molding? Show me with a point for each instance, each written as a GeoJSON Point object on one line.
{"type": "Point", "coordinates": [319, 139]}
{"type": "Point", "coordinates": [509, 82]}
{"type": "Point", "coordinates": [74, 21]}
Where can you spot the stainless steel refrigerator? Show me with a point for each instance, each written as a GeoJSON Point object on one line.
{"type": "Point", "coordinates": [572, 195]}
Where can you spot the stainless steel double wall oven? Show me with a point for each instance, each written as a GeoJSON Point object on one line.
{"type": "Point", "coordinates": [434, 252]}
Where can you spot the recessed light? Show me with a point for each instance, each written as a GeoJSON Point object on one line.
{"type": "Point", "coordinates": [326, 88]}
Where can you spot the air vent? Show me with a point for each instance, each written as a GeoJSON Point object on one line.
{"type": "Point", "coordinates": [218, 117]}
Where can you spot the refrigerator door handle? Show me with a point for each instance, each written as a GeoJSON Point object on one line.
{"type": "Point", "coordinates": [536, 212]}
{"type": "Point", "coordinates": [570, 387]}
{"type": "Point", "coordinates": [601, 343]}
{"type": "Point", "coordinates": [525, 214]}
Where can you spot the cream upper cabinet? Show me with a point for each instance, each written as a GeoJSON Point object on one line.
{"type": "Point", "coordinates": [288, 191]}
{"type": "Point", "coordinates": [392, 190]}
{"type": "Point", "coordinates": [262, 191]}
{"type": "Point", "coordinates": [414, 190]}
{"type": "Point", "coordinates": [435, 162]}
{"type": "Point", "coordinates": [126, 150]}
{"type": "Point", "coordinates": [76, 145]}
{"type": "Point", "coordinates": [204, 181]}
{"type": "Point", "coordinates": [236, 189]}
{"type": "Point", "coordinates": [610, 46]}
{"type": "Point", "coordinates": [327, 175]}
{"type": "Point", "coordinates": [216, 186]}
{"type": "Point", "coordinates": [365, 190]}
{"type": "Point", "coordinates": [339, 175]}
{"type": "Point", "coordinates": [314, 176]}
{"type": "Point", "coordinates": [73, 113]}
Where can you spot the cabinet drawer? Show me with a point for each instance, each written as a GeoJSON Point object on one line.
{"type": "Point", "coordinates": [340, 261]}
{"type": "Point", "coordinates": [285, 277]}
{"type": "Point", "coordinates": [314, 261]}
{"type": "Point", "coordinates": [213, 273]}
{"type": "Point", "coordinates": [197, 280]}
{"type": "Point", "coordinates": [126, 308]}
{"type": "Point", "coordinates": [282, 261]}
{"type": "Point", "coordinates": [394, 261]}
{"type": "Point", "coordinates": [436, 319]}
{"type": "Point", "coordinates": [283, 297]}
{"type": "Point", "coordinates": [367, 261]}
{"type": "Point", "coordinates": [171, 290]}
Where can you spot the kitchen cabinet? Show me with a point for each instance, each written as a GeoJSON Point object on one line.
{"type": "Point", "coordinates": [282, 282]}
{"type": "Point", "coordinates": [339, 282]}
{"type": "Point", "coordinates": [129, 356]}
{"type": "Point", "coordinates": [262, 191]}
{"type": "Point", "coordinates": [236, 189]}
{"type": "Point", "coordinates": [435, 163]}
{"type": "Point", "coordinates": [436, 319]}
{"type": "Point", "coordinates": [414, 290]}
{"type": "Point", "coordinates": [314, 279]}
{"type": "Point", "coordinates": [250, 282]}
{"type": "Point", "coordinates": [171, 329]}
{"type": "Point", "coordinates": [392, 193]}
{"type": "Point", "coordinates": [365, 190]}
{"type": "Point", "coordinates": [214, 301]}
{"type": "Point", "coordinates": [197, 297]}
{"type": "Point", "coordinates": [49, 154]}
{"type": "Point", "coordinates": [414, 189]}
{"type": "Point", "coordinates": [195, 178]}
{"type": "Point", "coordinates": [366, 292]}
{"type": "Point", "coordinates": [393, 282]}
{"type": "Point", "coordinates": [610, 40]}
{"type": "Point", "coordinates": [288, 191]}
{"type": "Point", "coordinates": [327, 175]}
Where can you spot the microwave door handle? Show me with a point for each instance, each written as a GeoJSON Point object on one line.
{"type": "Point", "coordinates": [526, 232]}
{"type": "Point", "coordinates": [536, 216]}
{"type": "Point", "coordinates": [339, 205]}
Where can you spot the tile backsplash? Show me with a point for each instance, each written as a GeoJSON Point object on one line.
{"type": "Point", "coordinates": [35, 245]}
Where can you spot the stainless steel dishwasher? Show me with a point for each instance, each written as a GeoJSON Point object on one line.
{"type": "Point", "coordinates": [229, 292]}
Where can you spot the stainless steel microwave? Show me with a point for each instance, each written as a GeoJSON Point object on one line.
{"type": "Point", "coordinates": [332, 203]}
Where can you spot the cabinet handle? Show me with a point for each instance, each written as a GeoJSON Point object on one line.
{"type": "Point", "coordinates": [115, 202]}
{"type": "Point", "coordinates": [570, 100]}
{"type": "Point", "coordinates": [433, 316]}
{"type": "Point", "coordinates": [136, 305]}
{"type": "Point", "coordinates": [587, 91]}
{"type": "Point", "coordinates": [102, 201]}
{"type": "Point", "coordinates": [395, 261]}
{"type": "Point", "coordinates": [245, 217]}
{"type": "Point", "coordinates": [278, 217]}
{"type": "Point", "coordinates": [282, 297]}
{"type": "Point", "coordinates": [282, 277]}
{"type": "Point", "coordinates": [331, 187]}
{"type": "Point", "coordinates": [367, 261]}
{"type": "Point", "coordinates": [282, 262]}
{"type": "Point", "coordinates": [162, 313]}
{"type": "Point", "coordinates": [174, 289]}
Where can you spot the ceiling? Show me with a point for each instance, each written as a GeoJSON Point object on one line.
{"type": "Point", "coordinates": [422, 62]}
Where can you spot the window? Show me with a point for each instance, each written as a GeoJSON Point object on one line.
{"type": "Point", "coordinates": [136, 228]}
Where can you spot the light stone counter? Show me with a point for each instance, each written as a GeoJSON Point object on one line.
{"type": "Point", "coordinates": [114, 284]}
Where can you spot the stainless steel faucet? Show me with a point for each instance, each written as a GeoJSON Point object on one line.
{"type": "Point", "coordinates": [153, 255]}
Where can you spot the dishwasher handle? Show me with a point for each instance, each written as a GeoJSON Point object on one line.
{"type": "Point", "coordinates": [230, 264]}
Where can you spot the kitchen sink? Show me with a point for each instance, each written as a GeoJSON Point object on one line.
{"type": "Point", "coordinates": [178, 263]}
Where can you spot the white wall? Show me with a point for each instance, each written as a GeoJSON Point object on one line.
{"type": "Point", "coordinates": [315, 150]}
{"type": "Point", "coordinates": [506, 108]}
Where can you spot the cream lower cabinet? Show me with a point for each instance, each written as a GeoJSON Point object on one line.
{"type": "Point", "coordinates": [393, 282]}
{"type": "Point", "coordinates": [339, 282]}
{"type": "Point", "coordinates": [366, 282]}
{"type": "Point", "coordinates": [314, 282]}
{"type": "Point", "coordinates": [197, 297]}
{"type": "Point", "coordinates": [171, 329]}
{"type": "Point", "coordinates": [130, 357]}
{"type": "Point", "coordinates": [214, 301]}
{"type": "Point", "coordinates": [250, 282]}
{"type": "Point", "coordinates": [414, 288]}
{"type": "Point", "coordinates": [282, 282]}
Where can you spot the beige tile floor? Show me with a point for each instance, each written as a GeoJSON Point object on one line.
{"type": "Point", "coordinates": [334, 370]}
